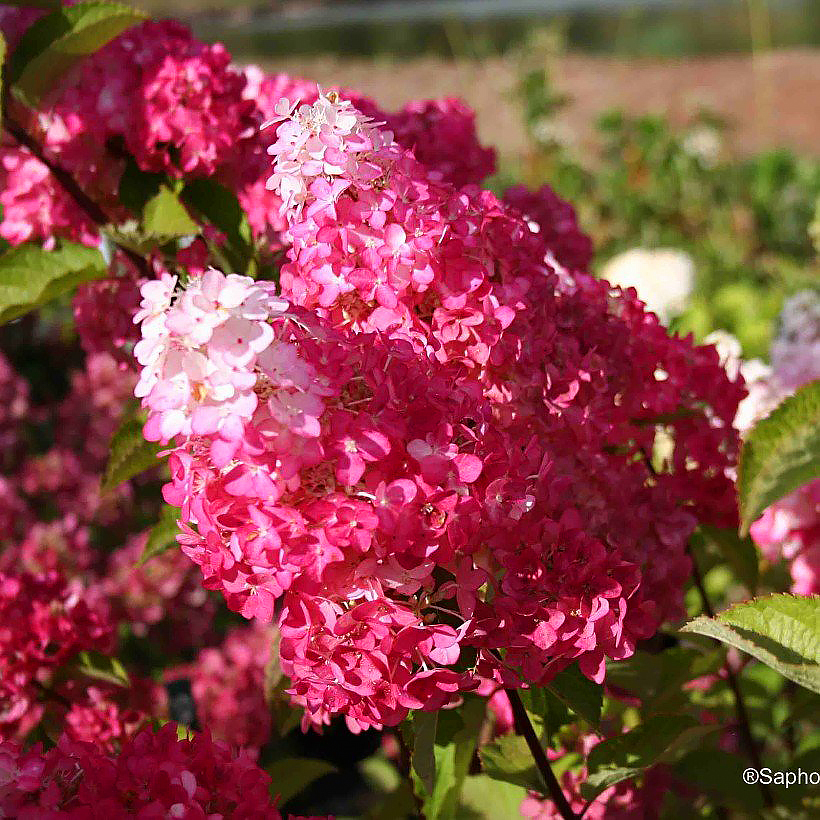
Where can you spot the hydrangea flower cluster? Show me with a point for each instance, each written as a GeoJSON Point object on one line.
{"type": "Point", "coordinates": [228, 684]}
{"type": "Point", "coordinates": [44, 623]}
{"type": "Point", "coordinates": [789, 528]}
{"type": "Point", "coordinates": [156, 774]}
{"type": "Point", "coordinates": [556, 222]}
{"type": "Point", "coordinates": [432, 460]}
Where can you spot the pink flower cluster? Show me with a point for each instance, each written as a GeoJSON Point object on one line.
{"type": "Point", "coordinates": [552, 217]}
{"type": "Point", "coordinates": [433, 461]}
{"type": "Point", "coordinates": [228, 684]}
{"type": "Point", "coordinates": [44, 623]}
{"type": "Point", "coordinates": [155, 775]}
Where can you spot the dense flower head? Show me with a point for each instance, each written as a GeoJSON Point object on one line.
{"type": "Point", "coordinates": [228, 684]}
{"type": "Point", "coordinates": [435, 452]}
{"type": "Point", "coordinates": [440, 133]}
{"type": "Point", "coordinates": [555, 221]}
{"type": "Point", "coordinates": [155, 775]}
{"type": "Point", "coordinates": [44, 623]}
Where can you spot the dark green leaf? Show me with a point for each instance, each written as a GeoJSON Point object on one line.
{"type": "Point", "coordinates": [138, 187]}
{"type": "Point", "coordinates": [164, 217]}
{"type": "Point", "coordinates": [221, 208]}
{"type": "Point", "coordinates": [129, 454]}
{"type": "Point", "coordinates": [623, 756]}
{"type": "Point", "coordinates": [49, 47]}
{"type": "Point", "coordinates": [719, 774]}
{"type": "Point", "coordinates": [740, 553]}
{"type": "Point", "coordinates": [658, 679]}
{"type": "Point", "coordinates": [291, 775]}
{"type": "Point", "coordinates": [423, 756]}
{"type": "Point", "coordinates": [545, 710]}
{"type": "Point", "coordinates": [782, 631]}
{"type": "Point", "coordinates": [31, 276]}
{"type": "Point", "coordinates": [579, 693]}
{"type": "Point", "coordinates": [163, 534]}
{"type": "Point", "coordinates": [509, 759]}
{"type": "Point", "coordinates": [780, 454]}
{"type": "Point", "coordinates": [455, 743]}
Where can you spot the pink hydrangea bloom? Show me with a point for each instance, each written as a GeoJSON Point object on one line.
{"type": "Point", "coordinates": [228, 686]}
{"type": "Point", "coordinates": [154, 775]}
{"type": "Point", "coordinates": [443, 422]}
{"type": "Point", "coordinates": [44, 622]}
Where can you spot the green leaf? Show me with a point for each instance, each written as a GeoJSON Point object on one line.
{"type": "Point", "coordinates": [291, 775]}
{"type": "Point", "coordinates": [163, 535]}
{"type": "Point", "coordinates": [221, 208]}
{"type": "Point", "coordinates": [782, 631]}
{"type": "Point", "coordinates": [658, 679]}
{"type": "Point", "coordinates": [95, 665]}
{"type": "Point", "coordinates": [51, 46]}
{"type": "Point", "coordinates": [719, 774]}
{"type": "Point", "coordinates": [546, 711]}
{"type": "Point", "coordinates": [739, 553]}
{"type": "Point", "coordinates": [129, 454]}
{"type": "Point", "coordinates": [579, 693]}
{"type": "Point", "coordinates": [483, 798]}
{"type": "Point", "coordinates": [780, 454]}
{"type": "Point", "coordinates": [423, 757]}
{"type": "Point", "coordinates": [165, 217]}
{"type": "Point", "coordinates": [624, 756]}
{"type": "Point", "coordinates": [509, 759]}
{"type": "Point", "coordinates": [137, 187]}
{"type": "Point", "coordinates": [456, 739]}
{"type": "Point", "coordinates": [31, 276]}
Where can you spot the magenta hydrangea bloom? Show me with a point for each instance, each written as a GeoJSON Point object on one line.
{"type": "Point", "coordinates": [155, 775]}
{"type": "Point", "coordinates": [439, 443]}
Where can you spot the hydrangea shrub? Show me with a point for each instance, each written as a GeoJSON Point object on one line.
{"type": "Point", "coordinates": [390, 455]}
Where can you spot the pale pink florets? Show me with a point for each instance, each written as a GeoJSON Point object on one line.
{"type": "Point", "coordinates": [320, 150]}
{"type": "Point", "coordinates": [199, 354]}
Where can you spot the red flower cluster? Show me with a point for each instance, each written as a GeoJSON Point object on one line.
{"type": "Point", "coordinates": [155, 776]}
{"type": "Point", "coordinates": [44, 622]}
{"type": "Point", "coordinates": [439, 453]}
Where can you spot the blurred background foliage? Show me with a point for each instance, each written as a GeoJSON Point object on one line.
{"type": "Point", "coordinates": [746, 222]}
{"type": "Point", "coordinates": [480, 28]}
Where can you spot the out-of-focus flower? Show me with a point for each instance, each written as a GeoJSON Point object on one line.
{"type": "Point", "coordinates": [664, 278]}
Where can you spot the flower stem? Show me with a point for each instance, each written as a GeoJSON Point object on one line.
{"type": "Point", "coordinates": [743, 723]}
{"type": "Point", "coordinates": [525, 728]}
